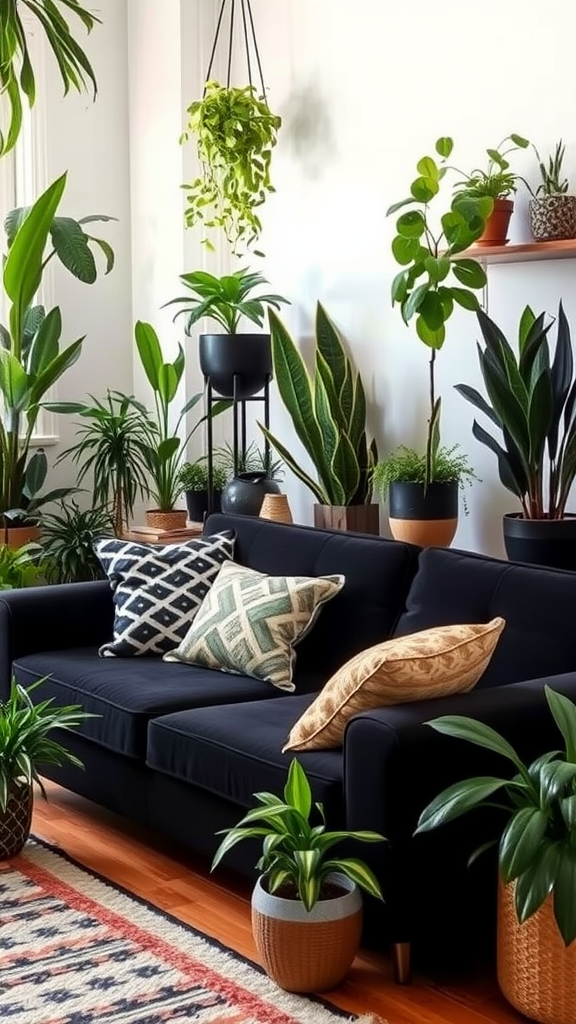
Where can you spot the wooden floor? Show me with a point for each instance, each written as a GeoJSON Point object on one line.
{"type": "Point", "coordinates": [145, 865]}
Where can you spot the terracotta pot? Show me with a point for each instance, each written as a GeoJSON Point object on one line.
{"type": "Point", "coordinates": [16, 536]}
{"type": "Point", "coordinates": [552, 217]}
{"type": "Point", "coordinates": [496, 230]}
{"type": "Point", "coordinates": [536, 971]}
{"type": "Point", "coordinates": [307, 951]}
{"type": "Point", "coordinates": [15, 820]}
{"type": "Point", "coordinates": [173, 520]}
{"type": "Point", "coordinates": [353, 518]}
{"type": "Point", "coordinates": [426, 518]}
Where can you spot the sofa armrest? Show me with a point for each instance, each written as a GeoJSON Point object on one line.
{"type": "Point", "coordinates": [52, 618]}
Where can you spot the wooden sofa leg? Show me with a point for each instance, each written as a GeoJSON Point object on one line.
{"type": "Point", "coordinates": [401, 963]}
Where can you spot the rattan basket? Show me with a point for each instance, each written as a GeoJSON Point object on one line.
{"type": "Point", "coordinates": [276, 507]}
{"type": "Point", "coordinates": [174, 520]}
{"type": "Point", "coordinates": [536, 971]}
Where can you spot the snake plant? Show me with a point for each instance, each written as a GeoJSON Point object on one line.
{"type": "Point", "coordinates": [328, 411]}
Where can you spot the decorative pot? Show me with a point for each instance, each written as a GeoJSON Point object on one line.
{"type": "Point", "coordinates": [16, 536]}
{"type": "Point", "coordinates": [276, 508]}
{"type": "Point", "coordinates": [428, 517]}
{"type": "Point", "coordinates": [353, 518]}
{"type": "Point", "coordinates": [307, 951]}
{"type": "Point", "coordinates": [173, 520]}
{"type": "Point", "coordinates": [536, 971]}
{"type": "Point", "coordinates": [244, 494]}
{"type": "Point", "coordinates": [552, 217]}
{"type": "Point", "coordinates": [550, 542]}
{"type": "Point", "coordinates": [15, 821]}
{"type": "Point", "coordinates": [496, 230]}
{"type": "Point", "coordinates": [197, 504]}
{"type": "Point", "coordinates": [248, 356]}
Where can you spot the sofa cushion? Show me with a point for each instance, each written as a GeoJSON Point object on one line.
{"type": "Point", "coordinates": [538, 605]}
{"type": "Point", "coordinates": [235, 751]}
{"type": "Point", "coordinates": [125, 694]}
{"type": "Point", "coordinates": [250, 622]}
{"type": "Point", "coordinates": [158, 588]}
{"type": "Point", "coordinates": [435, 662]}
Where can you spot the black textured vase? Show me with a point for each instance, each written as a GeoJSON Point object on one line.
{"type": "Point", "coordinates": [244, 494]}
{"type": "Point", "coordinates": [246, 356]}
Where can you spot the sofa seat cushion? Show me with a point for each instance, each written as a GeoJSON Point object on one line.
{"type": "Point", "coordinates": [235, 751]}
{"type": "Point", "coordinates": [125, 694]}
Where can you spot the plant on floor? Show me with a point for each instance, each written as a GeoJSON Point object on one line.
{"type": "Point", "coordinates": [67, 541]}
{"type": "Point", "coordinates": [225, 299]}
{"type": "Point", "coordinates": [328, 412]}
{"type": "Point", "coordinates": [31, 360]}
{"type": "Point", "coordinates": [537, 844]}
{"type": "Point", "coordinates": [296, 855]}
{"type": "Point", "coordinates": [20, 567]}
{"type": "Point", "coordinates": [235, 132]}
{"type": "Point", "coordinates": [497, 180]}
{"type": "Point", "coordinates": [531, 400]}
{"type": "Point", "coordinates": [17, 78]}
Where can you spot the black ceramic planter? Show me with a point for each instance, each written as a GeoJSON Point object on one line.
{"type": "Point", "coordinates": [424, 517]}
{"type": "Point", "coordinates": [248, 356]}
{"type": "Point", "coordinates": [244, 494]}
{"type": "Point", "coordinates": [550, 542]}
{"type": "Point", "coordinates": [197, 504]}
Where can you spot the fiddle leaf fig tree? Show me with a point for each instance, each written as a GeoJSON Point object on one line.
{"type": "Point", "coordinates": [434, 278]}
{"type": "Point", "coordinates": [17, 78]}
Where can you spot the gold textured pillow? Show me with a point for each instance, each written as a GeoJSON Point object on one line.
{"type": "Point", "coordinates": [432, 663]}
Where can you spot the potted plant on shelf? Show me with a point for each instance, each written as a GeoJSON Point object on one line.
{"type": "Point", "coordinates": [31, 360]}
{"type": "Point", "coordinates": [433, 280]}
{"type": "Point", "coordinates": [236, 365]}
{"type": "Point", "coordinates": [499, 184]}
{"type": "Point", "coordinates": [25, 746]}
{"type": "Point", "coordinates": [235, 133]}
{"type": "Point", "coordinates": [531, 400]}
{"type": "Point", "coordinates": [194, 480]}
{"type": "Point", "coordinates": [537, 863]}
{"type": "Point", "coordinates": [552, 209]}
{"type": "Point", "coordinates": [67, 542]}
{"type": "Point", "coordinates": [306, 905]}
{"type": "Point", "coordinates": [328, 411]}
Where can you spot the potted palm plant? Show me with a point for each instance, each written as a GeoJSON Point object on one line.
{"type": "Point", "coordinates": [552, 209]}
{"type": "Point", "coordinates": [537, 862]}
{"type": "Point", "coordinates": [236, 364]}
{"type": "Point", "coordinates": [531, 400]}
{"type": "Point", "coordinates": [498, 183]}
{"type": "Point", "coordinates": [328, 411]}
{"type": "Point", "coordinates": [303, 884]}
{"type": "Point", "coordinates": [26, 745]}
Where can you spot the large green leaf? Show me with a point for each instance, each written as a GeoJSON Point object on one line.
{"type": "Point", "coordinates": [345, 469]}
{"type": "Point", "coordinates": [564, 714]}
{"type": "Point", "coordinates": [358, 872]}
{"type": "Point", "coordinates": [565, 895]}
{"type": "Point", "coordinates": [478, 733]}
{"type": "Point", "coordinates": [330, 435]}
{"type": "Point", "coordinates": [13, 383]}
{"type": "Point", "coordinates": [521, 840]}
{"type": "Point", "coordinates": [149, 351]}
{"type": "Point", "coordinates": [537, 880]}
{"type": "Point", "coordinates": [457, 799]}
{"type": "Point", "coordinates": [330, 347]}
{"type": "Point", "coordinates": [314, 486]}
{"type": "Point", "coordinates": [297, 789]}
{"type": "Point", "coordinates": [73, 250]}
{"type": "Point", "coordinates": [45, 344]}
{"type": "Point", "coordinates": [54, 370]}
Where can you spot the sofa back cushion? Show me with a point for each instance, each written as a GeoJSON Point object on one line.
{"type": "Point", "coordinates": [538, 604]}
{"type": "Point", "coordinates": [378, 573]}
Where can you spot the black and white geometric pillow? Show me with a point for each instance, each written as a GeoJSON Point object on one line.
{"type": "Point", "coordinates": [158, 589]}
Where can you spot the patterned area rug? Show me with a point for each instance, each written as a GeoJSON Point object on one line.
{"type": "Point", "coordinates": [75, 949]}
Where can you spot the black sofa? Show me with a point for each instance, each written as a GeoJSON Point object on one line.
{"type": "Point", "coordinates": [183, 749]}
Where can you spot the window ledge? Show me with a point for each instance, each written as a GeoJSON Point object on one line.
{"type": "Point", "coordinates": [44, 440]}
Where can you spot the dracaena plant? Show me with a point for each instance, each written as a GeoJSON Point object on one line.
{"type": "Point", "coordinates": [224, 299]}
{"type": "Point", "coordinates": [537, 847]}
{"type": "Point", "coordinates": [328, 411]}
{"type": "Point", "coordinates": [297, 855]}
{"type": "Point", "coordinates": [31, 360]}
{"type": "Point", "coordinates": [531, 400]}
{"type": "Point", "coordinates": [17, 78]}
{"type": "Point", "coordinates": [434, 278]}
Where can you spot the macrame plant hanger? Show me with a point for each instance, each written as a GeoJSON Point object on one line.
{"type": "Point", "coordinates": [250, 41]}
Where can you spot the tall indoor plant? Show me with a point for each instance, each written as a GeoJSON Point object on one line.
{"type": "Point", "coordinates": [433, 279]}
{"type": "Point", "coordinates": [328, 412]}
{"type": "Point", "coordinates": [531, 400]}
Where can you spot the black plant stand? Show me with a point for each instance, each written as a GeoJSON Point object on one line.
{"type": "Point", "coordinates": [239, 426]}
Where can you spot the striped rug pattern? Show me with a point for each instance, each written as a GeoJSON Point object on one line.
{"type": "Point", "coordinates": [75, 949]}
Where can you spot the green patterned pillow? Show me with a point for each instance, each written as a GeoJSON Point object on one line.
{"type": "Point", "coordinates": [249, 623]}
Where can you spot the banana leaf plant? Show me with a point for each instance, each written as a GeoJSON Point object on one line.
{"type": "Point", "coordinates": [537, 847]}
{"type": "Point", "coordinates": [531, 400]}
{"type": "Point", "coordinates": [17, 78]}
{"type": "Point", "coordinates": [328, 411]}
{"type": "Point", "coordinates": [31, 360]}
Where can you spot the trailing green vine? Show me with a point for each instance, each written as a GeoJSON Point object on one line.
{"type": "Point", "coordinates": [235, 134]}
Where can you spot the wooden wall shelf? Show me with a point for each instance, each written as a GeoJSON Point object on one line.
{"type": "Point", "coordinates": [523, 253]}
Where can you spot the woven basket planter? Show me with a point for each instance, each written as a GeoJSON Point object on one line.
{"type": "Point", "coordinates": [174, 520]}
{"type": "Point", "coordinates": [15, 820]}
{"type": "Point", "coordinates": [307, 951]}
{"type": "Point", "coordinates": [552, 217]}
{"type": "Point", "coordinates": [536, 972]}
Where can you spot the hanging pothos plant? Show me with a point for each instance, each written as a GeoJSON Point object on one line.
{"type": "Point", "coordinates": [235, 134]}
{"type": "Point", "coordinates": [17, 77]}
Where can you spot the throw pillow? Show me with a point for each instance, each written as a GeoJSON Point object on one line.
{"type": "Point", "coordinates": [432, 663]}
{"type": "Point", "coordinates": [249, 623]}
{"type": "Point", "coordinates": [158, 589]}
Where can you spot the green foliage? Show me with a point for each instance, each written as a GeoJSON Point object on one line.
{"type": "Point", "coordinates": [67, 542]}
{"type": "Point", "coordinates": [20, 567]}
{"type": "Point", "coordinates": [253, 460]}
{"type": "Point", "coordinates": [194, 476]}
{"type": "Point", "coordinates": [31, 360]}
{"type": "Point", "coordinates": [113, 447]}
{"type": "Point", "coordinates": [235, 134]}
{"type": "Point", "coordinates": [17, 79]}
{"type": "Point", "coordinates": [551, 173]}
{"type": "Point", "coordinates": [224, 299]}
{"type": "Point", "coordinates": [25, 741]}
{"type": "Point", "coordinates": [295, 852]}
{"type": "Point", "coordinates": [497, 181]}
{"type": "Point", "coordinates": [328, 411]}
{"type": "Point", "coordinates": [409, 466]}
{"type": "Point", "coordinates": [531, 399]}
{"type": "Point", "coordinates": [538, 844]}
